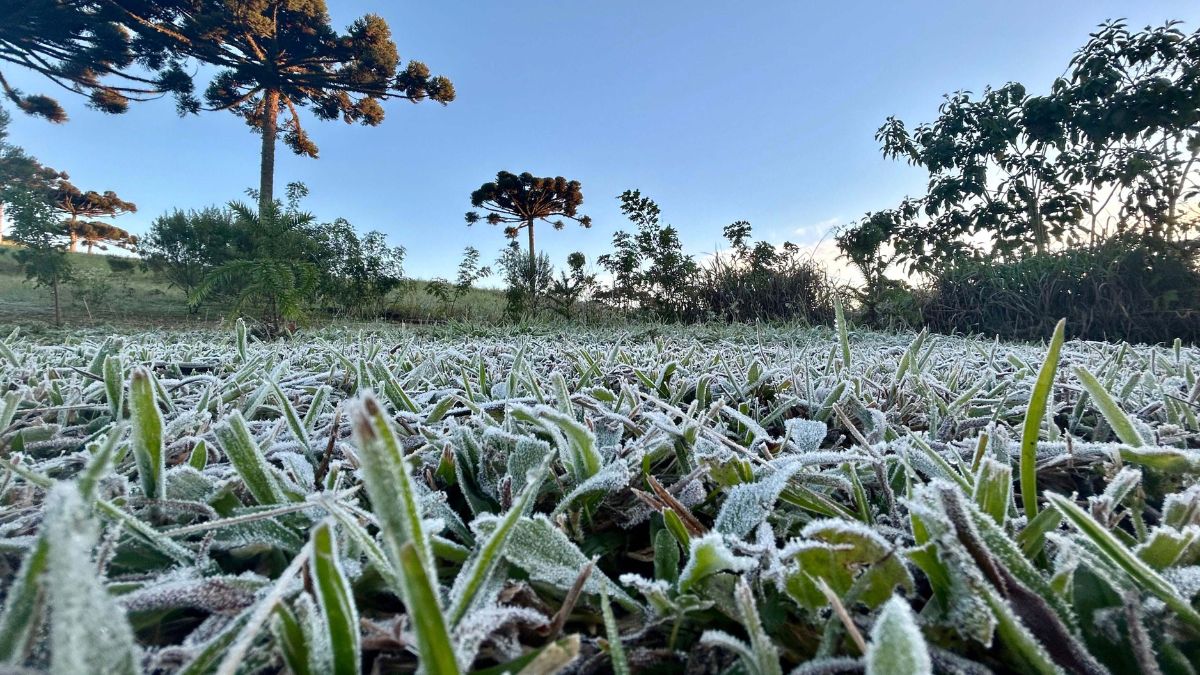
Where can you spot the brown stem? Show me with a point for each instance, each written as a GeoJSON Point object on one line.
{"type": "Point", "coordinates": [270, 130]}
{"type": "Point", "coordinates": [532, 262]}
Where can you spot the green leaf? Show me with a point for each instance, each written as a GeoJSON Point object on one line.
{"type": "Point", "coordinates": [897, 646]}
{"type": "Point", "coordinates": [433, 640]}
{"type": "Point", "coordinates": [22, 604]}
{"type": "Point", "coordinates": [114, 385]}
{"type": "Point", "coordinates": [293, 643]}
{"type": "Point", "coordinates": [336, 601]}
{"type": "Point", "coordinates": [839, 318]}
{"type": "Point", "coordinates": [993, 489]}
{"type": "Point", "coordinates": [1034, 415]}
{"type": "Point", "coordinates": [488, 556]}
{"type": "Point", "coordinates": [666, 557]}
{"type": "Point", "coordinates": [295, 424]}
{"type": "Point", "coordinates": [147, 434]}
{"type": "Point", "coordinates": [707, 556]}
{"type": "Point", "coordinates": [1116, 553]}
{"type": "Point", "coordinates": [240, 447]}
{"type": "Point", "coordinates": [88, 631]}
{"type": "Point", "coordinates": [616, 653]}
{"type": "Point", "coordinates": [1121, 424]}
{"type": "Point", "coordinates": [198, 460]}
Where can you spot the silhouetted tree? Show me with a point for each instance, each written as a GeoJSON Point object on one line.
{"type": "Point", "coordinates": [1116, 139]}
{"type": "Point", "coordinates": [518, 202]}
{"type": "Point", "coordinates": [274, 57]}
{"type": "Point", "coordinates": [81, 46]}
{"type": "Point", "coordinates": [649, 267]}
{"type": "Point", "coordinates": [571, 286]}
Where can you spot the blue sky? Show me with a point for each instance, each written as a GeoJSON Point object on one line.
{"type": "Point", "coordinates": [721, 111]}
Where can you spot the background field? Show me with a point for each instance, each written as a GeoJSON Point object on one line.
{"type": "Point", "coordinates": [135, 297]}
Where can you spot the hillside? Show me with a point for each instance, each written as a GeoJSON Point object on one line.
{"type": "Point", "coordinates": [117, 290]}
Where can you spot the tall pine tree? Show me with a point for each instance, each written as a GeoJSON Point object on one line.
{"type": "Point", "coordinates": [275, 57]}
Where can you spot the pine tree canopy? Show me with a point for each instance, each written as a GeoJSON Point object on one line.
{"type": "Point", "coordinates": [82, 46]}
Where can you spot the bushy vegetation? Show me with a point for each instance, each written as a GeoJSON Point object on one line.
{"type": "Point", "coordinates": [1053, 199]}
{"type": "Point", "coordinates": [690, 500]}
{"type": "Point", "coordinates": [278, 263]}
{"type": "Point", "coordinates": [1127, 288]}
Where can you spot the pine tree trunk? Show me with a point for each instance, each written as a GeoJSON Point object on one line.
{"type": "Point", "coordinates": [270, 129]}
{"type": "Point", "coordinates": [74, 235]}
{"type": "Point", "coordinates": [1, 222]}
{"type": "Point", "coordinates": [532, 263]}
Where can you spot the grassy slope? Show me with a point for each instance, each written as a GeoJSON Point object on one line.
{"type": "Point", "coordinates": [139, 298]}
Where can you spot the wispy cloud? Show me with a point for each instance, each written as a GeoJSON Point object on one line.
{"type": "Point", "coordinates": [818, 230]}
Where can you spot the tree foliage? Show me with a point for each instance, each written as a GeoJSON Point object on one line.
{"type": "Point", "coordinates": [276, 265]}
{"type": "Point", "coordinates": [274, 276]}
{"type": "Point", "coordinates": [1111, 148]}
{"type": "Point", "coordinates": [20, 172]}
{"type": "Point", "coordinates": [42, 237]}
{"type": "Point", "coordinates": [185, 246]}
{"type": "Point", "coordinates": [85, 47]}
{"type": "Point", "coordinates": [469, 272]}
{"type": "Point", "coordinates": [78, 208]}
{"type": "Point", "coordinates": [649, 268]}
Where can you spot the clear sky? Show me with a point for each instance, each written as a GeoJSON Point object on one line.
{"type": "Point", "coordinates": [760, 110]}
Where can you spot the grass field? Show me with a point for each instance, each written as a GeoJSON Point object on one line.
{"type": "Point", "coordinates": [691, 500]}
{"type": "Point", "coordinates": [131, 297]}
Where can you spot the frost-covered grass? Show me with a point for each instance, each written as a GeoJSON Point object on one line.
{"type": "Point", "coordinates": [703, 500]}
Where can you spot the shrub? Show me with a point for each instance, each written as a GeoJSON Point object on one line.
{"type": "Point", "coordinates": [757, 281]}
{"type": "Point", "coordinates": [524, 286]}
{"type": "Point", "coordinates": [1128, 287]}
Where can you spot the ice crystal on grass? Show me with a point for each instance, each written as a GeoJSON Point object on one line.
{"type": "Point", "coordinates": [897, 647]}
{"type": "Point", "coordinates": [88, 632]}
{"type": "Point", "coordinates": [757, 488]}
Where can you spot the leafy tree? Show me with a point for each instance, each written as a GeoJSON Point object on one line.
{"type": "Point", "coordinates": [1134, 109]}
{"type": "Point", "coordinates": [866, 246]}
{"type": "Point", "coordinates": [275, 57]}
{"type": "Point", "coordinates": [20, 172]}
{"type": "Point", "coordinates": [997, 182]}
{"type": "Point", "coordinates": [186, 246]}
{"type": "Point", "coordinates": [649, 267]}
{"type": "Point", "coordinates": [517, 202]}
{"type": "Point", "coordinates": [82, 46]}
{"type": "Point", "coordinates": [76, 206]}
{"type": "Point", "coordinates": [37, 228]}
{"type": "Point", "coordinates": [358, 272]}
{"type": "Point", "coordinates": [524, 286]}
{"type": "Point", "coordinates": [469, 272]}
{"type": "Point", "coordinates": [1116, 139]}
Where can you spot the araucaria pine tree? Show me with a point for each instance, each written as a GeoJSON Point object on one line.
{"type": "Point", "coordinates": [274, 57]}
{"type": "Point", "coordinates": [79, 208]}
{"type": "Point", "coordinates": [517, 202]}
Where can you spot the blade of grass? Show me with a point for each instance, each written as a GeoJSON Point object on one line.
{"type": "Point", "coordinates": [1033, 421]}
{"type": "Point", "coordinates": [1120, 422]}
{"type": "Point", "coordinates": [336, 600]}
{"type": "Point", "coordinates": [1118, 554]}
